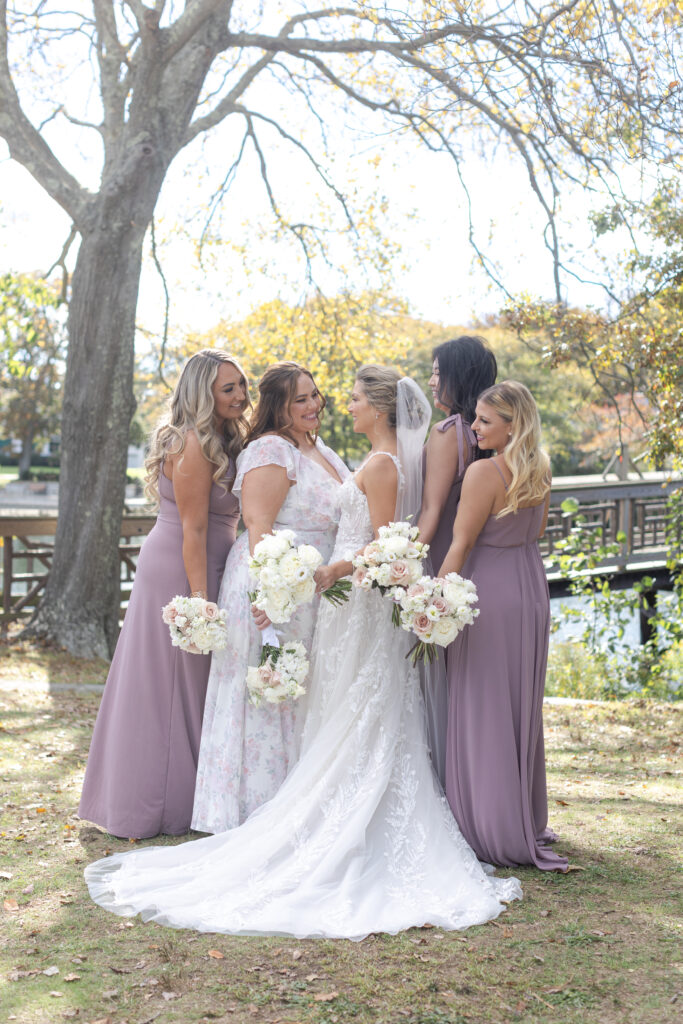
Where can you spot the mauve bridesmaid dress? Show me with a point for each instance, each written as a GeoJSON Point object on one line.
{"type": "Point", "coordinates": [141, 769]}
{"type": "Point", "coordinates": [467, 446]}
{"type": "Point", "coordinates": [495, 757]}
{"type": "Point", "coordinates": [433, 675]}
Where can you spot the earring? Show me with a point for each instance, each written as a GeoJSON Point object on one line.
{"type": "Point", "coordinates": [376, 415]}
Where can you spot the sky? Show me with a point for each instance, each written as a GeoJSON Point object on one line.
{"type": "Point", "coordinates": [425, 217]}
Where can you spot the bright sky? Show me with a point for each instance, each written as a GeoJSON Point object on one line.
{"type": "Point", "coordinates": [426, 216]}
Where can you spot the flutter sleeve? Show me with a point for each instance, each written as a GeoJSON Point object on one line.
{"type": "Point", "coordinates": [269, 450]}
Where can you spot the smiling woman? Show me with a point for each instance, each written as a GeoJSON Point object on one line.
{"type": "Point", "coordinates": [143, 757]}
{"type": "Point", "coordinates": [286, 479]}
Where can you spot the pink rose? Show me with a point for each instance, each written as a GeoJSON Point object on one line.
{"type": "Point", "coordinates": [440, 604]}
{"type": "Point", "coordinates": [168, 614]}
{"type": "Point", "coordinates": [415, 590]}
{"type": "Point", "coordinates": [265, 674]}
{"type": "Point", "coordinates": [422, 623]}
{"type": "Point", "coordinates": [398, 571]}
{"type": "Point", "coordinates": [358, 576]}
{"type": "Point", "coordinates": [371, 553]}
{"type": "Point", "coordinates": [276, 678]}
{"type": "Point", "coordinates": [210, 611]}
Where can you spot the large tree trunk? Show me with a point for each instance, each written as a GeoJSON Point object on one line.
{"type": "Point", "coordinates": [80, 609]}
{"type": "Point", "coordinates": [26, 455]}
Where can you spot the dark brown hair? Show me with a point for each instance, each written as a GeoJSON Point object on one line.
{"type": "Point", "coordinates": [277, 391]}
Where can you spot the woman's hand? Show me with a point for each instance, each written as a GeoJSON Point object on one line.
{"type": "Point", "coordinates": [324, 577]}
{"type": "Point", "coordinates": [261, 620]}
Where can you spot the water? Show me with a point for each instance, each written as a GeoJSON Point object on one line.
{"type": "Point", "coordinates": [571, 629]}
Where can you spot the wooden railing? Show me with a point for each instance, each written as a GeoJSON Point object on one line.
{"type": "Point", "coordinates": [636, 508]}
{"type": "Point", "coordinates": [27, 546]}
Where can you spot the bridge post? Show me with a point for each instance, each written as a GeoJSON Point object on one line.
{"type": "Point", "coordinates": [647, 611]}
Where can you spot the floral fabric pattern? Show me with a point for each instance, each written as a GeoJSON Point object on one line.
{"type": "Point", "coordinates": [246, 751]}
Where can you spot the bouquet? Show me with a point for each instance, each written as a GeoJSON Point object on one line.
{"type": "Point", "coordinates": [196, 626]}
{"type": "Point", "coordinates": [391, 563]}
{"type": "Point", "coordinates": [284, 575]}
{"type": "Point", "coordinates": [281, 674]}
{"type": "Point", "coordinates": [436, 610]}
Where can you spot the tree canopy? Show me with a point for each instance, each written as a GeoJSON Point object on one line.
{"type": "Point", "coordinates": [98, 100]}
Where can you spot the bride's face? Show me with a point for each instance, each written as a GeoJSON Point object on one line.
{"type": "Point", "coordinates": [362, 413]}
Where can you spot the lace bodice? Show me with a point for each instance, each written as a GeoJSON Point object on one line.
{"type": "Point", "coordinates": [355, 526]}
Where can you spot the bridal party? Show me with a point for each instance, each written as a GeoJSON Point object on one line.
{"type": "Point", "coordinates": [330, 678]}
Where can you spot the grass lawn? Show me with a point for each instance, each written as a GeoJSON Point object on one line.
{"type": "Point", "coordinates": [601, 944]}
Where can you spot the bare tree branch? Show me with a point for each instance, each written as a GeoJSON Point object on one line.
{"type": "Point", "coordinates": [27, 146]}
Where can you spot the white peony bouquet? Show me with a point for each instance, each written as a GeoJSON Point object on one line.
{"type": "Point", "coordinates": [284, 575]}
{"type": "Point", "coordinates": [281, 674]}
{"type": "Point", "coordinates": [392, 562]}
{"type": "Point", "coordinates": [436, 610]}
{"type": "Point", "coordinates": [196, 626]}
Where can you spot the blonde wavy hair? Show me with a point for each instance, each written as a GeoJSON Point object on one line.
{"type": "Point", "coordinates": [525, 458]}
{"type": "Point", "coordinates": [191, 407]}
{"type": "Point", "coordinates": [380, 386]}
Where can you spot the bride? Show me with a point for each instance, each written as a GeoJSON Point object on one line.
{"type": "Point", "coordinates": [359, 838]}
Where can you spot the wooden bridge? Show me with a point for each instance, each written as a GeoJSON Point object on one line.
{"type": "Point", "coordinates": [635, 507]}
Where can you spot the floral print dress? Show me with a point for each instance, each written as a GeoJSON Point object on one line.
{"type": "Point", "coordinates": [246, 751]}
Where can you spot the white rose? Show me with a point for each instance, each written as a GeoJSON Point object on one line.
{"type": "Point", "coordinates": [304, 591]}
{"type": "Point", "coordinates": [290, 567]}
{"type": "Point", "coordinates": [394, 547]}
{"type": "Point", "coordinates": [310, 556]}
{"type": "Point", "coordinates": [444, 631]}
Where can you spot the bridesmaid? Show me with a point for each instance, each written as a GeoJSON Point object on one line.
{"type": "Point", "coordinates": [141, 768]}
{"type": "Point", "coordinates": [286, 479]}
{"type": "Point", "coordinates": [495, 758]}
{"type": "Point", "coordinates": [462, 368]}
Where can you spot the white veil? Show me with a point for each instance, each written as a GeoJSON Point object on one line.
{"type": "Point", "coordinates": [413, 413]}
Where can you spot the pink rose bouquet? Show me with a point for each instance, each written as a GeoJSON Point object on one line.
{"type": "Point", "coordinates": [196, 626]}
{"type": "Point", "coordinates": [436, 610]}
{"type": "Point", "coordinates": [391, 563]}
{"type": "Point", "coordinates": [281, 674]}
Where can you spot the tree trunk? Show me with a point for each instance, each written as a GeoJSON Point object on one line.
{"type": "Point", "coordinates": [80, 610]}
{"type": "Point", "coordinates": [26, 455]}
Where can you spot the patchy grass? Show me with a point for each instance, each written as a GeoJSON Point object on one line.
{"type": "Point", "coordinates": [44, 667]}
{"type": "Point", "coordinates": [596, 945]}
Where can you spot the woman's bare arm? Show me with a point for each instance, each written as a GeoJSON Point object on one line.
{"type": "Point", "coordinates": [442, 467]}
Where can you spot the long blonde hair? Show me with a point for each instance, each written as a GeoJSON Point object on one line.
{"type": "Point", "coordinates": [191, 407]}
{"type": "Point", "coordinates": [525, 458]}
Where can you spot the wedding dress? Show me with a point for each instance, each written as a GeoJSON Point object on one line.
{"type": "Point", "coordinates": [359, 838]}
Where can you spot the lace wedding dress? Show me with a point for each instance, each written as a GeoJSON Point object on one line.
{"type": "Point", "coordinates": [359, 838]}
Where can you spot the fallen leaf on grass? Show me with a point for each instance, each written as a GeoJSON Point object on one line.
{"type": "Point", "coordinates": [539, 958]}
{"type": "Point", "coordinates": [170, 995]}
{"type": "Point", "coordinates": [56, 995]}
{"type": "Point", "coordinates": [297, 954]}
{"type": "Point", "coordinates": [49, 971]}
{"type": "Point", "coordinates": [312, 977]}
{"type": "Point", "coordinates": [120, 970]}
{"type": "Point", "coordinates": [111, 993]}
{"type": "Point", "coordinates": [11, 906]}
{"type": "Point", "coordinates": [6, 875]}
{"type": "Point", "coordinates": [574, 867]}
{"type": "Point", "coordinates": [28, 890]}
{"type": "Point", "coordinates": [562, 803]}
{"type": "Point", "coordinates": [325, 997]}
{"type": "Point", "coordinates": [72, 977]}
{"type": "Point", "coordinates": [216, 954]}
